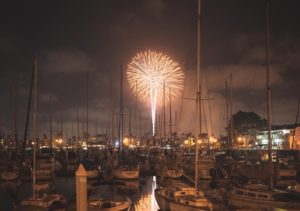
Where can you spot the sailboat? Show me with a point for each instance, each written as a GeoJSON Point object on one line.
{"type": "Point", "coordinates": [261, 196]}
{"type": "Point", "coordinates": [171, 169]}
{"type": "Point", "coordinates": [124, 171]}
{"type": "Point", "coordinates": [98, 202]}
{"type": "Point", "coordinates": [177, 195]}
{"type": "Point", "coordinates": [39, 201]}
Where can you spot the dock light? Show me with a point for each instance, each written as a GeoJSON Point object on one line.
{"type": "Point", "coordinates": [239, 139]}
{"type": "Point", "coordinates": [125, 141]}
{"type": "Point", "coordinates": [186, 142]}
{"type": "Point", "coordinates": [59, 141]}
{"type": "Point", "coordinates": [265, 141]}
{"type": "Point", "coordinates": [199, 141]}
{"type": "Point", "coordinates": [277, 141]}
{"type": "Point", "coordinates": [213, 139]}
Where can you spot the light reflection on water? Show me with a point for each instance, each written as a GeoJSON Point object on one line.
{"type": "Point", "coordinates": [143, 199]}
{"type": "Point", "coordinates": [146, 200]}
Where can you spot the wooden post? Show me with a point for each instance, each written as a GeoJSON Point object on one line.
{"type": "Point", "coordinates": [81, 188]}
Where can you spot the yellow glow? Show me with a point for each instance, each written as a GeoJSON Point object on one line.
{"type": "Point", "coordinates": [126, 141]}
{"type": "Point", "coordinates": [59, 141]}
{"type": "Point", "coordinates": [186, 142]}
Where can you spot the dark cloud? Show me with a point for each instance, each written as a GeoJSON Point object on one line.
{"type": "Point", "coordinates": [8, 44]}
{"type": "Point", "coordinates": [156, 7]}
{"type": "Point", "coordinates": [71, 38]}
{"type": "Point", "coordinates": [66, 62]}
{"type": "Point", "coordinates": [48, 98]}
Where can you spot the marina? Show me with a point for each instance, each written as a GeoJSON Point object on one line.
{"type": "Point", "coordinates": [145, 120]}
{"type": "Point", "coordinates": [142, 190]}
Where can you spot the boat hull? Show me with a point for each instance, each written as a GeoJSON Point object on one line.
{"type": "Point", "coordinates": [169, 205]}
{"type": "Point", "coordinates": [44, 202]}
{"type": "Point", "coordinates": [174, 173]}
{"type": "Point", "coordinates": [126, 174]}
{"type": "Point", "coordinates": [9, 176]}
{"type": "Point", "coordinates": [120, 206]}
{"type": "Point", "coordinates": [243, 202]}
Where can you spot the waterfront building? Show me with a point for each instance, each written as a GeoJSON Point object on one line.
{"type": "Point", "coordinates": [283, 137]}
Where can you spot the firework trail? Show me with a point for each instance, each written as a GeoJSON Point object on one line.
{"type": "Point", "coordinates": [148, 73]}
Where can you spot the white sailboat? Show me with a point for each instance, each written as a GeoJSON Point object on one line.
{"type": "Point", "coordinates": [173, 173]}
{"type": "Point", "coordinates": [97, 203]}
{"type": "Point", "coordinates": [103, 205]}
{"type": "Point", "coordinates": [126, 172]}
{"type": "Point", "coordinates": [122, 171]}
{"type": "Point", "coordinates": [39, 201]}
{"type": "Point", "coordinates": [259, 196]}
{"type": "Point", "coordinates": [9, 175]}
{"type": "Point", "coordinates": [177, 195]}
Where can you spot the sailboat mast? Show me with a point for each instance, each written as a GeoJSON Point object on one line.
{"type": "Point", "coordinates": [14, 104]}
{"type": "Point", "coordinates": [112, 115]}
{"type": "Point", "coordinates": [269, 88]}
{"type": "Point", "coordinates": [77, 121]}
{"type": "Point", "coordinates": [121, 128]}
{"type": "Point", "coordinates": [87, 107]}
{"type": "Point", "coordinates": [170, 115]}
{"type": "Point", "coordinates": [72, 129]}
{"type": "Point", "coordinates": [164, 111]}
{"type": "Point", "coordinates": [34, 128]}
{"type": "Point", "coordinates": [296, 122]}
{"type": "Point", "coordinates": [135, 109]}
{"type": "Point", "coordinates": [227, 114]}
{"type": "Point", "coordinates": [198, 101]}
{"type": "Point", "coordinates": [50, 129]}
{"type": "Point", "coordinates": [27, 120]}
{"type": "Point", "coordinates": [96, 126]}
{"type": "Point", "coordinates": [231, 116]}
{"type": "Point", "coordinates": [129, 125]}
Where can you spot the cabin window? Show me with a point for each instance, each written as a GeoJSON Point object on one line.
{"type": "Point", "coordinates": [182, 193]}
{"type": "Point", "coordinates": [186, 202]}
{"type": "Point", "coordinates": [262, 196]}
{"type": "Point", "coordinates": [252, 194]}
{"type": "Point", "coordinates": [287, 177]}
{"type": "Point", "coordinates": [239, 192]}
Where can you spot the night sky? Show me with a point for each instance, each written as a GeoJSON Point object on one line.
{"type": "Point", "coordinates": [71, 38]}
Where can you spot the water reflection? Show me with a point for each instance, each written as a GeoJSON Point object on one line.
{"type": "Point", "coordinates": [145, 200]}
{"type": "Point", "coordinates": [141, 192]}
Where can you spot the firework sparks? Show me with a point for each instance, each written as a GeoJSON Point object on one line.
{"type": "Point", "coordinates": [149, 73]}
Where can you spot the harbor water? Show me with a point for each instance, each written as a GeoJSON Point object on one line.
{"type": "Point", "coordinates": [142, 198]}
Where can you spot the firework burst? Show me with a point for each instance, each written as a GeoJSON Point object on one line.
{"type": "Point", "coordinates": [149, 74]}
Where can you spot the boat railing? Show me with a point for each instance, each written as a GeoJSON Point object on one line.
{"type": "Point", "coordinates": [251, 193]}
